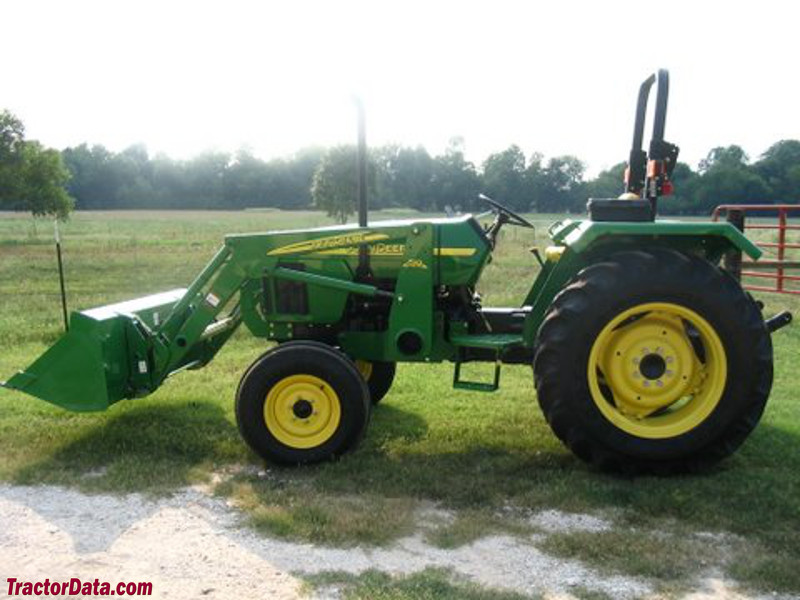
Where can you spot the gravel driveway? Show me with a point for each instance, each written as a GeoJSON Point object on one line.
{"type": "Point", "coordinates": [193, 545]}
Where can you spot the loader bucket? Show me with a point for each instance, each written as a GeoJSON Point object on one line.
{"type": "Point", "coordinates": [102, 357]}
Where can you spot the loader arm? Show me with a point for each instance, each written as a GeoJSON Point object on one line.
{"type": "Point", "coordinates": [127, 350]}
{"type": "Point", "coordinates": [191, 335]}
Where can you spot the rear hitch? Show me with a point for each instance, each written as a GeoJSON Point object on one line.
{"type": "Point", "coordinates": [782, 319]}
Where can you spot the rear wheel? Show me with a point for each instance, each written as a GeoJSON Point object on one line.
{"type": "Point", "coordinates": [653, 361]}
{"type": "Point", "coordinates": [302, 402]}
{"type": "Point", "coordinates": [379, 377]}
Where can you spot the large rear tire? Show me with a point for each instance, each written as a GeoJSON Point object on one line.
{"type": "Point", "coordinates": [653, 361]}
{"type": "Point", "coordinates": [302, 402]}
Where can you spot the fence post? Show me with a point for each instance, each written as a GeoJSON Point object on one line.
{"type": "Point", "coordinates": [733, 258]}
{"type": "Point", "coordinates": [781, 245]}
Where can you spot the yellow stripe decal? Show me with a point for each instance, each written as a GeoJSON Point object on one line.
{"type": "Point", "coordinates": [374, 249]}
{"type": "Point", "coordinates": [455, 251]}
{"type": "Point", "coordinates": [347, 245]}
{"type": "Point", "coordinates": [321, 244]}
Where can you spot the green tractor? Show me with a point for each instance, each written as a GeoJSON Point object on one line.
{"type": "Point", "coordinates": [646, 355]}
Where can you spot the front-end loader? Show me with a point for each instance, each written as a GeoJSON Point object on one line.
{"type": "Point", "coordinates": [646, 354]}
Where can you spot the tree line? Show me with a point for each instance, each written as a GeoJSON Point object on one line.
{"type": "Point", "coordinates": [32, 178]}
{"type": "Point", "coordinates": [398, 176]}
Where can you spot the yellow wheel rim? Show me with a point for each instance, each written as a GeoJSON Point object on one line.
{"type": "Point", "coordinates": [302, 411]}
{"type": "Point", "coordinates": [365, 368]}
{"type": "Point", "coordinates": [657, 370]}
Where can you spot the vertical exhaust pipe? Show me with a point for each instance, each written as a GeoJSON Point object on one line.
{"type": "Point", "coordinates": [361, 164]}
{"type": "Point", "coordinates": [363, 271]}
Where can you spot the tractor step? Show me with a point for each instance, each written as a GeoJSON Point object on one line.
{"type": "Point", "coordinates": [486, 341]}
{"type": "Point", "coordinates": [476, 386]}
{"type": "Point", "coordinates": [492, 341]}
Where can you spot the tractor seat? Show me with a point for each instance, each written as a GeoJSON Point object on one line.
{"type": "Point", "coordinates": [615, 209]}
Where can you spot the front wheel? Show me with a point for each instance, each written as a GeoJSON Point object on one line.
{"type": "Point", "coordinates": [302, 402]}
{"type": "Point", "coordinates": [653, 361]}
{"type": "Point", "coordinates": [379, 376]}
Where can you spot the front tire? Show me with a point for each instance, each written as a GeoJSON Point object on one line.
{"type": "Point", "coordinates": [653, 361]}
{"type": "Point", "coordinates": [302, 402]}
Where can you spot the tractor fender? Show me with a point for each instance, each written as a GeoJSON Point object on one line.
{"type": "Point", "coordinates": [578, 243]}
{"type": "Point", "coordinates": [711, 238]}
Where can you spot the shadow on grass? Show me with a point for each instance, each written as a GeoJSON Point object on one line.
{"type": "Point", "coordinates": [155, 447]}
{"type": "Point", "coordinates": [754, 493]}
{"type": "Point", "coordinates": [144, 448]}
{"type": "Point", "coordinates": [391, 423]}
{"type": "Point", "coordinates": [364, 497]}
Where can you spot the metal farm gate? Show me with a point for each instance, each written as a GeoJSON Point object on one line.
{"type": "Point", "coordinates": [775, 228]}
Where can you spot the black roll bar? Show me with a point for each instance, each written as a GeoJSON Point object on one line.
{"type": "Point", "coordinates": [659, 149]}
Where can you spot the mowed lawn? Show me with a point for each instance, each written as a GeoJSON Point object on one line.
{"type": "Point", "coordinates": [490, 458]}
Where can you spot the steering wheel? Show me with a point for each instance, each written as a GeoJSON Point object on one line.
{"type": "Point", "coordinates": [511, 217]}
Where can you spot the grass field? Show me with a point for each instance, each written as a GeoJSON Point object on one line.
{"type": "Point", "coordinates": [489, 458]}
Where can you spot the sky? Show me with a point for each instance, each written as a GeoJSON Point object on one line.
{"type": "Point", "coordinates": [183, 77]}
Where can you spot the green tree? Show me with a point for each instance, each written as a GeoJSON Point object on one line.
{"type": "Point", "coordinates": [456, 183]}
{"type": "Point", "coordinates": [91, 184]}
{"type": "Point", "coordinates": [12, 140]}
{"type": "Point", "coordinates": [204, 180]}
{"type": "Point", "coordinates": [44, 178]}
{"type": "Point", "coordinates": [135, 177]}
{"type": "Point", "coordinates": [726, 178]}
{"type": "Point", "coordinates": [405, 177]}
{"type": "Point", "coordinates": [563, 186]}
{"type": "Point", "coordinates": [169, 183]}
{"type": "Point", "coordinates": [780, 168]}
{"type": "Point", "coordinates": [32, 177]}
{"type": "Point", "coordinates": [728, 185]}
{"type": "Point", "coordinates": [12, 137]}
{"type": "Point", "coordinates": [609, 183]}
{"type": "Point", "coordinates": [291, 179]}
{"type": "Point", "coordinates": [334, 186]}
{"type": "Point", "coordinates": [246, 181]}
{"type": "Point", "coordinates": [732, 156]}
{"type": "Point", "coordinates": [504, 178]}
{"type": "Point", "coordinates": [683, 199]}
{"type": "Point", "coordinates": [535, 181]}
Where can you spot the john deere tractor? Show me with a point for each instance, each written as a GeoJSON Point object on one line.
{"type": "Point", "coordinates": [646, 355]}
